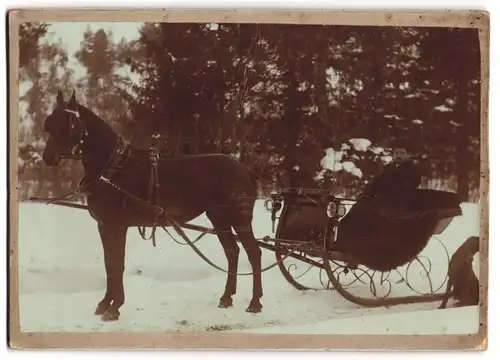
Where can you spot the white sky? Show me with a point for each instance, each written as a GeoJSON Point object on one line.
{"type": "Point", "coordinates": [71, 35]}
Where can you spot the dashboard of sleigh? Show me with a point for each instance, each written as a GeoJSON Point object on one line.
{"type": "Point", "coordinates": [306, 216]}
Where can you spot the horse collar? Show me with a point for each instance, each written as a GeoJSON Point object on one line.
{"type": "Point", "coordinates": [115, 160]}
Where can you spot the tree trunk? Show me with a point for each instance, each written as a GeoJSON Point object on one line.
{"type": "Point", "coordinates": [291, 122]}
{"type": "Point", "coordinates": [462, 147]}
{"type": "Point", "coordinates": [465, 74]}
{"type": "Point", "coordinates": [241, 129]}
{"type": "Point", "coordinates": [322, 103]}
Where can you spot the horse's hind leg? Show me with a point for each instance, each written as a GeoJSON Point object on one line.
{"type": "Point", "coordinates": [242, 224]}
{"type": "Point", "coordinates": [232, 250]}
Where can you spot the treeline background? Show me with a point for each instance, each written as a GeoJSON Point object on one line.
{"type": "Point", "coordinates": [308, 105]}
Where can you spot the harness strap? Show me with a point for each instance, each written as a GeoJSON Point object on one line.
{"type": "Point", "coordinates": [160, 212]}
{"type": "Point", "coordinates": [50, 200]}
{"type": "Point", "coordinates": [181, 232]}
{"type": "Point", "coordinates": [80, 190]}
{"type": "Point", "coordinates": [136, 199]}
{"type": "Point", "coordinates": [197, 251]}
{"type": "Point", "coordinates": [121, 149]}
{"type": "Point", "coordinates": [153, 194]}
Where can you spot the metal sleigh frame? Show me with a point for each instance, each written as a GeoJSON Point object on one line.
{"type": "Point", "coordinates": [337, 270]}
{"type": "Point", "coordinates": [342, 271]}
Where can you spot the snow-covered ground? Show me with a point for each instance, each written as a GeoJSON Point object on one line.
{"type": "Point", "coordinates": [170, 289]}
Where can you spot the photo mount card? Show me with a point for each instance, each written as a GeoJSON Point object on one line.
{"type": "Point", "coordinates": [287, 180]}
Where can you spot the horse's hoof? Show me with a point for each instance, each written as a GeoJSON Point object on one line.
{"type": "Point", "coordinates": [110, 316]}
{"type": "Point", "coordinates": [254, 308]}
{"type": "Point", "coordinates": [224, 306]}
{"type": "Point", "coordinates": [101, 309]}
{"type": "Point", "coordinates": [225, 303]}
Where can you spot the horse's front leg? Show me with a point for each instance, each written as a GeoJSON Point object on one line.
{"type": "Point", "coordinates": [113, 242]}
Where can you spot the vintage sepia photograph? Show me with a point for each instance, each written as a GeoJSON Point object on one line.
{"type": "Point", "coordinates": [249, 177]}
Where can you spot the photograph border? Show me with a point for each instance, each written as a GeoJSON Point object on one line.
{"type": "Point", "coordinates": [135, 340]}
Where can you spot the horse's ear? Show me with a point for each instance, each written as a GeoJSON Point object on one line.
{"type": "Point", "coordinates": [60, 96]}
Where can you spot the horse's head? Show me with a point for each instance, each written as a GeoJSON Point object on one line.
{"type": "Point", "coordinates": [66, 131]}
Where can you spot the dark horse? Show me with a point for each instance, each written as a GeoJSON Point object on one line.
{"type": "Point", "coordinates": [188, 186]}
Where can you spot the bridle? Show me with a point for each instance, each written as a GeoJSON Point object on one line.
{"type": "Point", "coordinates": [76, 150]}
{"type": "Point", "coordinates": [78, 130]}
{"type": "Point", "coordinates": [114, 163]}
{"type": "Point", "coordinates": [119, 153]}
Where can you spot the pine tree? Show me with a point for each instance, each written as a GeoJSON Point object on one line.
{"type": "Point", "coordinates": [43, 71]}
{"type": "Point", "coordinates": [104, 89]}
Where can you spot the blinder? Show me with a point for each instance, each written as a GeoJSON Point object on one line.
{"type": "Point", "coordinates": [77, 133]}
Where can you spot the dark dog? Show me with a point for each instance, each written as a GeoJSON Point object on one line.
{"type": "Point", "coordinates": [463, 284]}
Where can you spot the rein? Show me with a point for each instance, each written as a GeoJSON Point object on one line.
{"type": "Point", "coordinates": [113, 161]}
{"type": "Point", "coordinates": [181, 232]}
{"type": "Point", "coordinates": [178, 229]}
